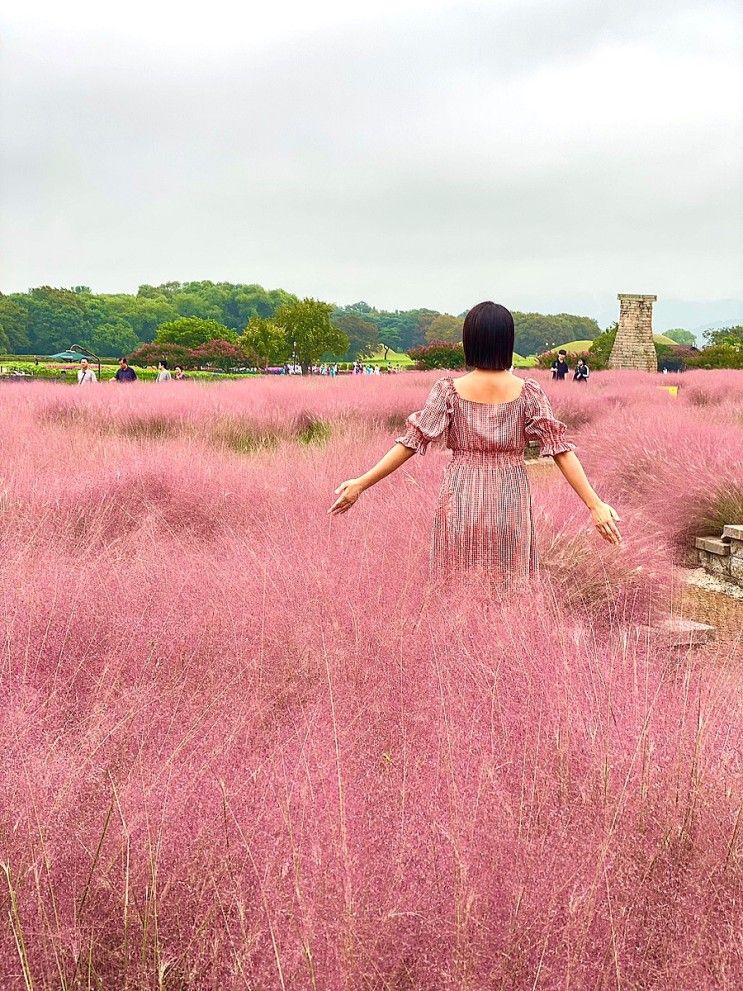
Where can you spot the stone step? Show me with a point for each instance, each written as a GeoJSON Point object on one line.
{"type": "Point", "coordinates": [681, 633]}
{"type": "Point", "coordinates": [713, 545]}
{"type": "Point", "coordinates": [733, 531]}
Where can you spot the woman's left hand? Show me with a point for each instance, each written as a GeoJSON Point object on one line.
{"type": "Point", "coordinates": [347, 492]}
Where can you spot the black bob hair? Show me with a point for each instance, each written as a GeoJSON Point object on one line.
{"type": "Point", "coordinates": [487, 336]}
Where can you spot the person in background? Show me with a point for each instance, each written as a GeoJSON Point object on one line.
{"type": "Point", "coordinates": [581, 371]}
{"type": "Point", "coordinates": [124, 373]}
{"type": "Point", "coordinates": [86, 374]}
{"type": "Point", "coordinates": [163, 375]}
{"type": "Point", "coordinates": [560, 367]}
{"type": "Point", "coordinates": [180, 375]}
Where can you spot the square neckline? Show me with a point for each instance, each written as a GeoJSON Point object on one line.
{"type": "Point", "coordinates": [475, 402]}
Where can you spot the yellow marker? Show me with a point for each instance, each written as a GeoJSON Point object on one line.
{"type": "Point", "coordinates": [672, 390]}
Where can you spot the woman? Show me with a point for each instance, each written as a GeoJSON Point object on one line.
{"type": "Point", "coordinates": [581, 371]}
{"type": "Point", "coordinates": [483, 516]}
{"type": "Point", "coordinates": [163, 373]}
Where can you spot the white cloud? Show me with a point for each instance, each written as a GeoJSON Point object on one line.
{"type": "Point", "coordinates": [409, 153]}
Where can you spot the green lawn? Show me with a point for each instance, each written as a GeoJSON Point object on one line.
{"type": "Point", "coordinates": [393, 358]}
{"type": "Point", "coordinates": [404, 361]}
{"type": "Point", "coordinates": [573, 347]}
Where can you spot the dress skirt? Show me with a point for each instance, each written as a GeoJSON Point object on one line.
{"type": "Point", "coordinates": [483, 519]}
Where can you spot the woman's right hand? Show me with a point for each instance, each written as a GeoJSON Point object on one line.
{"type": "Point", "coordinates": [604, 516]}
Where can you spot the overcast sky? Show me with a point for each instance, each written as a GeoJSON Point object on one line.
{"type": "Point", "coordinates": [410, 153]}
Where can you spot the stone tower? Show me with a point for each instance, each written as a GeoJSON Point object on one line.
{"type": "Point", "coordinates": [634, 347]}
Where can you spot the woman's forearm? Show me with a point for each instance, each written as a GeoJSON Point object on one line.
{"type": "Point", "coordinates": [574, 474]}
{"type": "Point", "coordinates": [393, 459]}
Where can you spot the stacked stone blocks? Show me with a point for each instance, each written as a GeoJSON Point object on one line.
{"type": "Point", "coordinates": [634, 346]}
{"type": "Point", "coordinates": [723, 556]}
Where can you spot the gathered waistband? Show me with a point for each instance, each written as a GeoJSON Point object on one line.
{"type": "Point", "coordinates": [489, 458]}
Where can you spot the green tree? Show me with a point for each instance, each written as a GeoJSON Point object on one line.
{"type": "Point", "coordinates": [399, 329]}
{"type": "Point", "coordinates": [363, 335]}
{"type": "Point", "coordinates": [309, 328]}
{"type": "Point", "coordinates": [732, 336]}
{"type": "Point", "coordinates": [14, 326]}
{"type": "Point", "coordinates": [538, 332]}
{"type": "Point", "coordinates": [191, 332]}
{"type": "Point", "coordinates": [232, 304]}
{"type": "Point", "coordinates": [444, 327]}
{"type": "Point", "coordinates": [264, 343]}
{"type": "Point", "coordinates": [142, 314]}
{"type": "Point", "coordinates": [422, 321]}
{"type": "Point", "coordinates": [56, 319]}
{"type": "Point", "coordinates": [722, 355]}
{"type": "Point", "coordinates": [681, 336]}
{"type": "Point", "coordinates": [164, 291]}
{"type": "Point", "coordinates": [110, 340]}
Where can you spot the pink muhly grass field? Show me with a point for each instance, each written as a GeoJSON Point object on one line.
{"type": "Point", "coordinates": [246, 746]}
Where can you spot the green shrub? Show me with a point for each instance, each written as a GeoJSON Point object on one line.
{"type": "Point", "coordinates": [724, 355]}
{"type": "Point", "coordinates": [600, 350]}
{"type": "Point", "coordinates": [438, 354]}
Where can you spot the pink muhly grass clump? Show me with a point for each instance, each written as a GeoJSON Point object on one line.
{"type": "Point", "coordinates": [684, 472]}
{"type": "Point", "coordinates": [256, 409]}
{"type": "Point", "coordinates": [615, 585]}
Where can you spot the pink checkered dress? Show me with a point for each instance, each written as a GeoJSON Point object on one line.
{"type": "Point", "coordinates": [483, 515]}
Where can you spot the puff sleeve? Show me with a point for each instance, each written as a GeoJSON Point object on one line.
{"type": "Point", "coordinates": [430, 422]}
{"type": "Point", "coordinates": [542, 426]}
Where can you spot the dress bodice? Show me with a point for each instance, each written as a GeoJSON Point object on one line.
{"type": "Point", "coordinates": [486, 428]}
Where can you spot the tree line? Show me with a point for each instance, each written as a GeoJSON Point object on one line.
{"type": "Point", "coordinates": [46, 320]}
